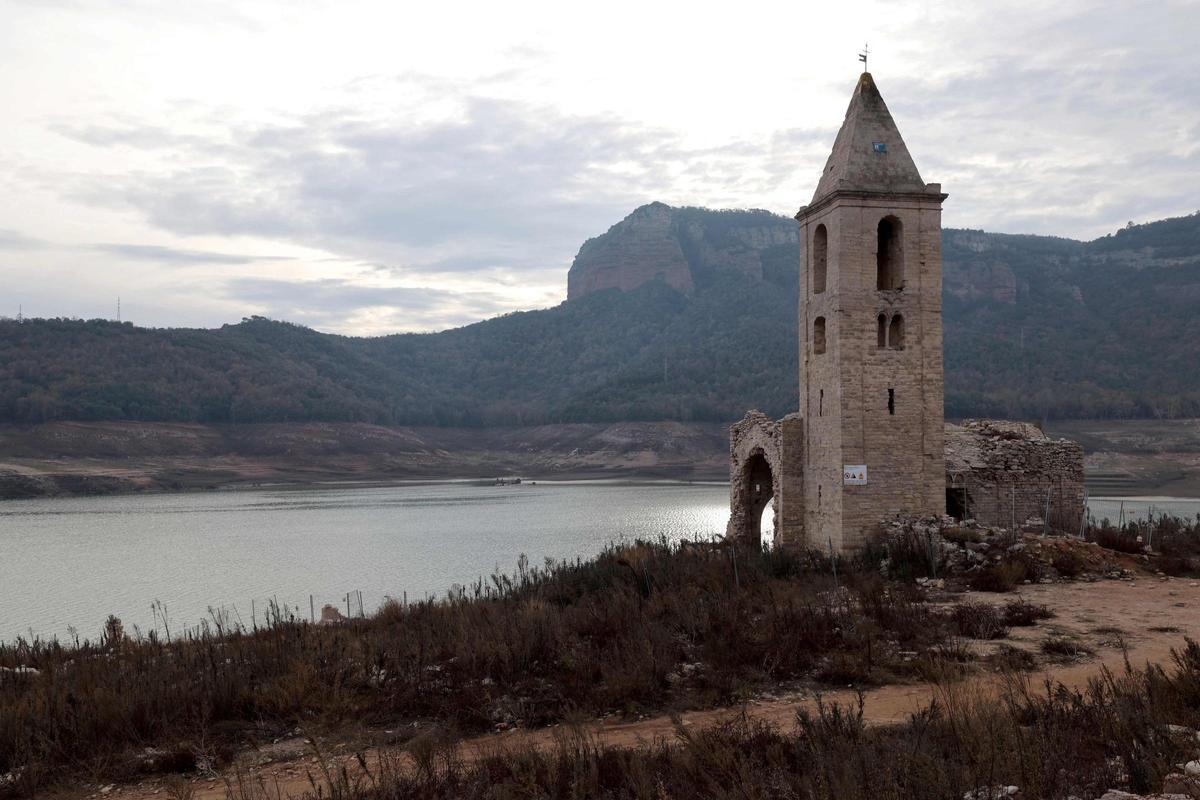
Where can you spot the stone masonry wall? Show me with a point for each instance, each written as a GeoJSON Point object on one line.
{"type": "Point", "coordinates": [780, 443]}
{"type": "Point", "coordinates": [755, 434]}
{"type": "Point", "coordinates": [1009, 471]}
{"type": "Point", "coordinates": [845, 390]}
{"type": "Point", "coordinates": [1005, 471]}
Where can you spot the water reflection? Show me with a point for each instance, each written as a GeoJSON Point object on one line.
{"type": "Point", "coordinates": [68, 563]}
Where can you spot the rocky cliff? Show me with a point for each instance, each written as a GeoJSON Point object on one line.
{"type": "Point", "coordinates": [680, 247]}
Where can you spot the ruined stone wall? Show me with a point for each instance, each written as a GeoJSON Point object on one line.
{"type": "Point", "coordinates": [755, 434]}
{"type": "Point", "coordinates": [780, 444]}
{"type": "Point", "coordinates": [1008, 471]}
{"type": "Point", "coordinates": [790, 505]}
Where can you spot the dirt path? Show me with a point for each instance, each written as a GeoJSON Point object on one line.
{"type": "Point", "coordinates": [1101, 615]}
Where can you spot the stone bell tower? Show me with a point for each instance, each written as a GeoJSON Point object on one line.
{"type": "Point", "coordinates": [870, 333]}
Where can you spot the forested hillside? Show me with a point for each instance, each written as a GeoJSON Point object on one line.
{"type": "Point", "coordinates": [1036, 327]}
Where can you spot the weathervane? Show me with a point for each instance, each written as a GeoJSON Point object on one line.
{"type": "Point", "coordinates": [866, 51]}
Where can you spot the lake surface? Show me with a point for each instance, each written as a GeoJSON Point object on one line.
{"type": "Point", "coordinates": [1130, 508]}
{"type": "Point", "coordinates": [67, 563]}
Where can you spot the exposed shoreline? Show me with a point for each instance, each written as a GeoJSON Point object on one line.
{"type": "Point", "coordinates": [66, 459]}
{"type": "Point", "coordinates": [81, 459]}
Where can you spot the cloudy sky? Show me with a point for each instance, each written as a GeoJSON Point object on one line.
{"type": "Point", "coordinates": [375, 167]}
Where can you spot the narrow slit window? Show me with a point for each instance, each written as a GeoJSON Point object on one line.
{"type": "Point", "coordinates": [896, 333]}
{"type": "Point", "coordinates": [892, 402]}
{"type": "Point", "coordinates": [881, 332]}
{"type": "Point", "coordinates": [821, 404]}
{"type": "Point", "coordinates": [820, 258]}
{"type": "Point", "coordinates": [819, 335]}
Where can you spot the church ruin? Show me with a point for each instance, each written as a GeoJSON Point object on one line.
{"type": "Point", "coordinates": [870, 440]}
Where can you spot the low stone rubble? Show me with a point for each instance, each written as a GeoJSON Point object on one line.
{"type": "Point", "coordinates": [957, 548]}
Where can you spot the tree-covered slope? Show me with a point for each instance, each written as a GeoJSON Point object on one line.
{"type": "Point", "coordinates": [1035, 327]}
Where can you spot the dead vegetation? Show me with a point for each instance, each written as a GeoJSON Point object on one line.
{"type": "Point", "coordinates": [1126, 730]}
{"type": "Point", "coordinates": [643, 628]}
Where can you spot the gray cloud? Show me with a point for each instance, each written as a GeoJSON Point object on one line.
{"type": "Point", "coordinates": [15, 240]}
{"type": "Point", "coordinates": [1068, 123]}
{"type": "Point", "coordinates": [175, 255]}
{"type": "Point", "coordinates": [504, 186]}
{"type": "Point", "coordinates": [329, 302]}
{"type": "Point", "coordinates": [127, 133]}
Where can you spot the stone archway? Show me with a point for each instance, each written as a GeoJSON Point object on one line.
{"type": "Point", "coordinates": [758, 488]}
{"type": "Point", "coordinates": [762, 469]}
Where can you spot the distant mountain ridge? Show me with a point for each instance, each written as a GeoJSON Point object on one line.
{"type": "Point", "coordinates": [675, 314]}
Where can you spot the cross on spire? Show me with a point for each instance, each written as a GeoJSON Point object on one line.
{"type": "Point", "coordinates": [866, 51]}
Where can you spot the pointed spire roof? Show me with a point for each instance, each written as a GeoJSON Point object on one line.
{"type": "Point", "coordinates": [868, 154]}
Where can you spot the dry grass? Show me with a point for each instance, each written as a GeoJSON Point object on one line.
{"type": "Point", "coordinates": [1062, 647]}
{"type": "Point", "coordinates": [1052, 743]}
{"type": "Point", "coordinates": [641, 628]}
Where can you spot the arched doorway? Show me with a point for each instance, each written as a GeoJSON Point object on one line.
{"type": "Point", "coordinates": [758, 489]}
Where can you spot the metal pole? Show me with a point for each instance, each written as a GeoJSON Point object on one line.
{"type": "Point", "coordinates": [1012, 525]}
{"type": "Point", "coordinates": [833, 562]}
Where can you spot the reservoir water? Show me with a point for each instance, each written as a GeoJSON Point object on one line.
{"type": "Point", "coordinates": [66, 564]}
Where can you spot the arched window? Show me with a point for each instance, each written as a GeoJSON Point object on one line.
{"type": "Point", "coordinates": [896, 333]}
{"type": "Point", "coordinates": [881, 332]}
{"type": "Point", "coordinates": [820, 258]}
{"type": "Point", "coordinates": [819, 335]}
{"type": "Point", "coordinates": [889, 257]}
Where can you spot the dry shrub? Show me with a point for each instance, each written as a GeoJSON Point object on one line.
{"type": "Point", "coordinates": [905, 552]}
{"type": "Point", "coordinates": [1178, 566]}
{"type": "Point", "coordinates": [640, 628]}
{"type": "Point", "coordinates": [1063, 647]}
{"type": "Point", "coordinates": [1021, 613]}
{"type": "Point", "coordinates": [979, 620]}
{"type": "Point", "coordinates": [1002, 576]}
{"type": "Point", "coordinates": [1052, 743]}
{"type": "Point", "coordinates": [1068, 563]}
{"type": "Point", "coordinates": [1121, 541]}
{"type": "Point", "coordinates": [1007, 658]}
